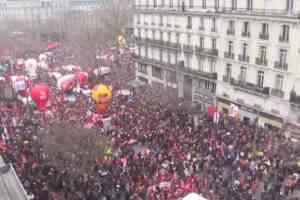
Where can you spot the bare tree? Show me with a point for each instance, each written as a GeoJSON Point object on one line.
{"type": "Point", "coordinates": [117, 15]}
{"type": "Point", "coordinates": [74, 145]}
{"type": "Point", "coordinates": [83, 31]}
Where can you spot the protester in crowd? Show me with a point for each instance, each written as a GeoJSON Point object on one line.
{"type": "Point", "coordinates": [158, 152]}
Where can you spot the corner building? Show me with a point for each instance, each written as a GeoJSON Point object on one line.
{"type": "Point", "coordinates": [223, 52]}
{"type": "Point", "coordinates": [259, 70]}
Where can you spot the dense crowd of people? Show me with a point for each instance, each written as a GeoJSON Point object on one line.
{"type": "Point", "coordinates": [158, 152]}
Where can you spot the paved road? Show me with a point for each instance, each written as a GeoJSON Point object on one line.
{"type": "Point", "coordinates": [258, 193]}
{"type": "Point", "coordinates": [295, 195]}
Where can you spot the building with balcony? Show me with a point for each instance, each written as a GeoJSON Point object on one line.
{"type": "Point", "coordinates": [181, 44]}
{"type": "Point", "coordinates": [84, 5]}
{"type": "Point", "coordinates": [264, 75]}
{"type": "Point", "coordinates": [241, 52]}
{"type": "Point", "coordinates": [31, 10]}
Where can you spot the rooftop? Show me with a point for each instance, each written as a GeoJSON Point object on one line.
{"type": "Point", "coordinates": [10, 185]}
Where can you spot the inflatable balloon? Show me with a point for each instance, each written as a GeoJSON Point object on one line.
{"type": "Point", "coordinates": [40, 95]}
{"type": "Point", "coordinates": [52, 46]}
{"type": "Point", "coordinates": [101, 108]}
{"type": "Point", "coordinates": [82, 78]}
{"type": "Point", "coordinates": [66, 83]}
{"type": "Point", "coordinates": [102, 96]}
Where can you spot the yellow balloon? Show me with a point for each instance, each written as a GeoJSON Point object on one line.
{"type": "Point", "coordinates": [101, 94]}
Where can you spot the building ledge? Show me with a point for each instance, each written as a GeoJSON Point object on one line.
{"type": "Point", "coordinates": [177, 67]}
{"type": "Point", "coordinates": [277, 93]}
{"type": "Point", "coordinates": [250, 88]}
{"type": "Point", "coordinates": [176, 46]}
{"type": "Point", "coordinates": [214, 10]}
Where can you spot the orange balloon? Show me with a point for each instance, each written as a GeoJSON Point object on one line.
{"type": "Point", "coordinates": [105, 99]}
{"type": "Point", "coordinates": [101, 107]}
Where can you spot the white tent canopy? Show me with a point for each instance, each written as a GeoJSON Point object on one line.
{"type": "Point", "coordinates": [194, 196]}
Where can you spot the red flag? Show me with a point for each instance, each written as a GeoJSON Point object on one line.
{"type": "Point", "coordinates": [23, 158]}
{"type": "Point", "coordinates": [3, 147]}
{"type": "Point", "coordinates": [211, 111]}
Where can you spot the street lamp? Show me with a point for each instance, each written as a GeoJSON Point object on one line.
{"type": "Point", "coordinates": [256, 132]}
{"type": "Point", "coordinates": [180, 78]}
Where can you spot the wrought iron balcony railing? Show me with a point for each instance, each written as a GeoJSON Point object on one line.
{"type": "Point", "coordinates": [205, 51]}
{"type": "Point", "coordinates": [261, 61]}
{"type": "Point", "coordinates": [294, 99]}
{"type": "Point", "coordinates": [277, 93]}
{"type": "Point", "coordinates": [229, 55]}
{"type": "Point", "coordinates": [230, 32]}
{"type": "Point", "coordinates": [188, 48]}
{"type": "Point", "coordinates": [216, 10]}
{"type": "Point", "coordinates": [179, 67]}
{"type": "Point", "coordinates": [226, 78]}
{"type": "Point", "coordinates": [250, 88]}
{"type": "Point", "coordinates": [281, 65]}
{"type": "Point", "coordinates": [283, 39]}
{"type": "Point", "coordinates": [157, 43]}
{"type": "Point", "coordinates": [245, 34]}
{"type": "Point", "coordinates": [244, 58]}
{"type": "Point", "coordinates": [177, 46]}
{"type": "Point", "coordinates": [209, 75]}
{"type": "Point", "coordinates": [213, 52]}
{"type": "Point", "coordinates": [264, 36]}
{"type": "Point", "coordinates": [160, 63]}
{"type": "Point", "coordinates": [199, 49]}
